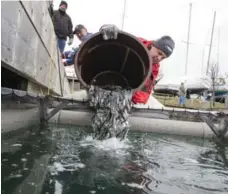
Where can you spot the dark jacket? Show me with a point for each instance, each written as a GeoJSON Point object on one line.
{"type": "Point", "coordinates": [62, 24]}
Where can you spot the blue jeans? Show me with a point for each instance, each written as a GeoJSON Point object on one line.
{"type": "Point", "coordinates": [69, 55]}
{"type": "Point", "coordinates": [62, 44]}
{"type": "Point", "coordinates": [182, 100]}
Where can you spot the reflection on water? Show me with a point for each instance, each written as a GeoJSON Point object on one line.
{"type": "Point", "coordinates": [66, 160]}
{"type": "Point", "coordinates": [25, 156]}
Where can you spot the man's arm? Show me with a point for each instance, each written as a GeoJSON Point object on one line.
{"type": "Point", "coordinates": [70, 28]}
{"type": "Point", "coordinates": [55, 21]}
{"type": "Point", "coordinates": [50, 9]}
{"type": "Point", "coordinates": [54, 16]}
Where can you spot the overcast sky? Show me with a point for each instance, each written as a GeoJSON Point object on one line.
{"type": "Point", "coordinates": [152, 19]}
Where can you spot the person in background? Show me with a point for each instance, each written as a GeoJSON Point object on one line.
{"type": "Point", "coordinates": [159, 50]}
{"type": "Point", "coordinates": [68, 56]}
{"type": "Point", "coordinates": [81, 32]}
{"type": "Point", "coordinates": [63, 26]}
{"type": "Point", "coordinates": [188, 94]}
{"type": "Point", "coordinates": [182, 95]}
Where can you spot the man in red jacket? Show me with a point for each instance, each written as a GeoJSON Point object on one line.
{"type": "Point", "coordinates": [159, 49]}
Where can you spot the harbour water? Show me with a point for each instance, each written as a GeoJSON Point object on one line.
{"type": "Point", "coordinates": [66, 160]}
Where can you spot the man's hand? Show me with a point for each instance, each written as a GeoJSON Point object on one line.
{"type": "Point", "coordinates": [109, 31]}
{"type": "Point", "coordinates": [70, 41]}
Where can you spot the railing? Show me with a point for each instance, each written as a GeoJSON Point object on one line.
{"type": "Point", "coordinates": [29, 97]}
{"type": "Point", "coordinates": [193, 103]}
{"type": "Point", "coordinates": [57, 103]}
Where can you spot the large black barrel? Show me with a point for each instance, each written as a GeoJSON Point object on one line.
{"type": "Point", "coordinates": [122, 62]}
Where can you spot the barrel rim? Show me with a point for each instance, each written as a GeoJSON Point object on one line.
{"type": "Point", "coordinates": [120, 32]}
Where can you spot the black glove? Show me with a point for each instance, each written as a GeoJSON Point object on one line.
{"type": "Point", "coordinates": [109, 31]}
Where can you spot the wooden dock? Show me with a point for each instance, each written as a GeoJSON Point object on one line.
{"type": "Point", "coordinates": [29, 46]}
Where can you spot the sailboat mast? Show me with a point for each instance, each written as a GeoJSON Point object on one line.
{"type": "Point", "coordinates": [218, 45]}
{"type": "Point", "coordinates": [188, 37]}
{"type": "Point", "coordinates": [124, 12]}
{"type": "Point", "coordinates": [212, 33]}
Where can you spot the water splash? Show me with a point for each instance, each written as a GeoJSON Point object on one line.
{"type": "Point", "coordinates": [110, 145]}
{"type": "Point", "coordinates": [112, 109]}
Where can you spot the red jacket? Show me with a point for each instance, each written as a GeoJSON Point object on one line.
{"type": "Point", "coordinates": [142, 96]}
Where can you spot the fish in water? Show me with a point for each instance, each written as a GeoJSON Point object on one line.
{"type": "Point", "coordinates": [112, 107]}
